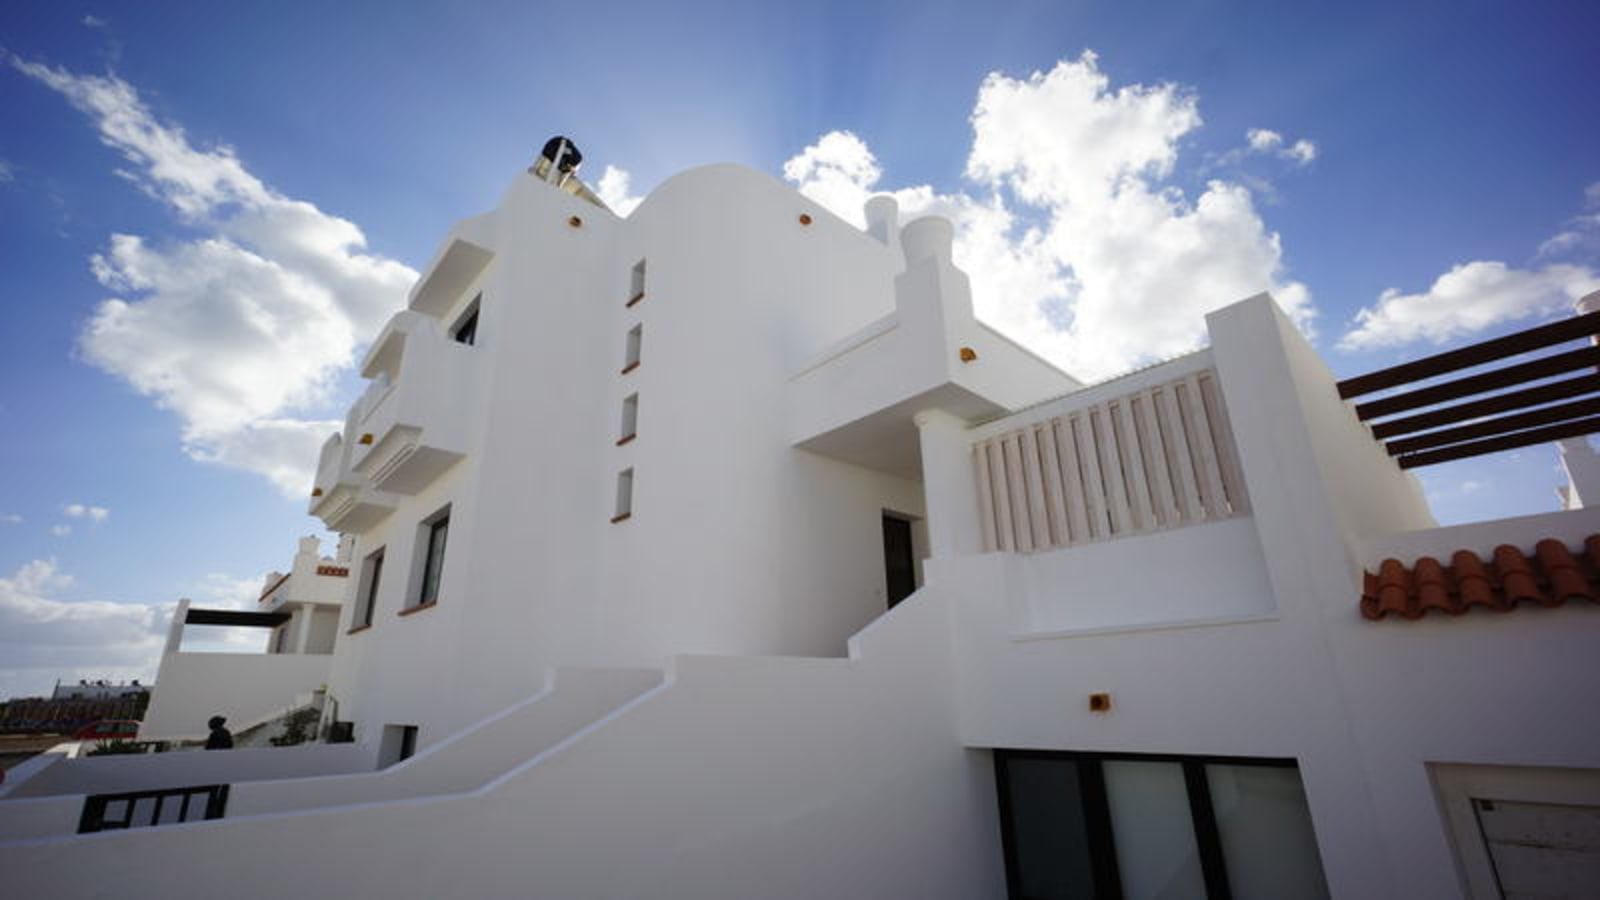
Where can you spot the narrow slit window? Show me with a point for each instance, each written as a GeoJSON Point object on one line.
{"type": "Point", "coordinates": [465, 331]}
{"type": "Point", "coordinates": [635, 337]}
{"type": "Point", "coordinates": [636, 284]}
{"type": "Point", "coordinates": [624, 495]}
{"type": "Point", "coordinates": [630, 419]}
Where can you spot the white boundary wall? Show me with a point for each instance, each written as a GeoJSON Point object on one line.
{"type": "Point", "coordinates": [243, 687]}
{"type": "Point", "coordinates": [742, 777]}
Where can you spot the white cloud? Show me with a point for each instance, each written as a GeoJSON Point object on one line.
{"type": "Point", "coordinates": [284, 450]}
{"type": "Point", "coordinates": [44, 637]}
{"type": "Point", "coordinates": [1076, 244]}
{"type": "Point", "coordinates": [93, 21]}
{"type": "Point", "coordinates": [96, 514]}
{"type": "Point", "coordinates": [838, 171]}
{"type": "Point", "coordinates": [10, 519]}
{"type": "Point", "coordinates": [221, 591]}
{"type": "Point", "coordinates": [1267, 141]}
{"type": "Point", "coordinates": [60, 530]}
{"type": "Point", "coordinates": [1302, 151]}
{"type": "Point", "coordinates": [1481, 294]}
{"type": "Point", "coordinates": [8, 173]}
{"type": "Point", "coordinates": [1581, 234]}
{"type": "Point", "coordinates": [1263, 140]}
{"type": "Point", "coordinates": [1467, 299]}
{"type": "Point", "coordinates": [1066, 138]}
{"type": "Point", "coordinates": [615, 192]}
{"type": "Point", "coordinates": [238, 329]}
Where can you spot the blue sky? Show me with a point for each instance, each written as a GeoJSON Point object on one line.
{"type": "Point", "coordinates": [1439, 152]}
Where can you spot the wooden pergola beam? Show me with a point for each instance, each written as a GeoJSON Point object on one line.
{"type": "Point", "coordinates": [1517, 422]}
{"type": "Point", "coordinates": [1488, 406]}
{"type": "Point", "coordinates": [1546, 367]}
{"type": "Point", "coordinates": [1476, 355]}
{"type": "Point", "coordinates": [1573, 428]}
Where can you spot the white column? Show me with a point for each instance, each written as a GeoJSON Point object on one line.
{"type": "Point", "coordinates": [1583, 472]}
{"type": "Point", "coordinates": [175, 628]}
{"type": "Point", "coordinates": [949, 488]}
{"type": "Point", "coordinates": [1577, 456]}
{"type": "Point", "coordinates": [302, 622]}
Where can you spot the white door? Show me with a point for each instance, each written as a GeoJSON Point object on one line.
{"type": "Point", "coordinates": [1542, 851]}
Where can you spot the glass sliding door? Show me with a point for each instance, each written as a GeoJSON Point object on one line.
{"type": "Point", "coordinates": [1265, 830]}
{"type": "Point", "coordinates": [1050, 836]}
{"type": "Point", "coordinates": [1144, 827]}
{"type": "Point", "coordinates": [1150, 824]}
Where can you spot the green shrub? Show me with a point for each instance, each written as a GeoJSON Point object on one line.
{"type": "Point", "coordinates": [118, 746]}
{"type": "Point", "coordinates": [297, 727]}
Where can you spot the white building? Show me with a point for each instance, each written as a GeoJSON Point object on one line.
{"type": "Point", "coordinates": [98, 690]}
{"type": "Point", "coordinates": [631, 502]}
{"type": "Point", "coordinates": [301, 609]}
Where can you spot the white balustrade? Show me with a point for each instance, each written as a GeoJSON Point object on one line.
{"type": "Point", "coordinates": [1156, 458]}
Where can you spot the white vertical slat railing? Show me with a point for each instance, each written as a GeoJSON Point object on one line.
{"type": "Point", "coordinates": [1158, 458]}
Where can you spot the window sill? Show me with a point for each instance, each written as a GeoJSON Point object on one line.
{"type": "Point", "coordinates": [629, 367]}
{"type": "Point", "coordinates": [622, 518]}
{"type": "Point", "coordinates": [358, 629]}
{"type": "Point", "coordinates": [634, 299]}
{"type": "Point", "coordinates": [418, 608]}
{"type": "Point", "coordinates": [626, 439]}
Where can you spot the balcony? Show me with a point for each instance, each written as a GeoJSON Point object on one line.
{"type": "Point", "coordinates": [1148, 452]}
{"type": "Point", "coordinates": [329, 467]}
{"type": "Point", "coordinates": [413, 422]}
{"type": "Point", "coordinates": [343, 500]}
{"type": "Point", "coordinates": [351, 507]}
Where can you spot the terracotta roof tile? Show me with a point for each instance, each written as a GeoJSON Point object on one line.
{"type": "Point", "coordinates": [1551, 577]}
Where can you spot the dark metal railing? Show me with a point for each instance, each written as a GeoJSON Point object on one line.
{"type": "Point", "coordinates": [143, 809]}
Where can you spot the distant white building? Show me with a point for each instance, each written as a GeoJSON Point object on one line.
{"type": "Point", "coordinates": [98, 690]}
{"type": "Point", "coordinates": [719, 551]}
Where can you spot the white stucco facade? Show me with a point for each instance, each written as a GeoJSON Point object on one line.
{"type": "Point", "coordinates": [618, 500]}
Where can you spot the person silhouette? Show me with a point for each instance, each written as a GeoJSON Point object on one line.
{"type": "Point", "coordinates": [220, 738]}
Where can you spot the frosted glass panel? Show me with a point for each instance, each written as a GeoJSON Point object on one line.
{"type": "Point", "coordinates": [1265, 827]}
{"type": "Point", "coordinates": [1153, 830]}
{"type": "Point", "coordinates": [1048, 832]}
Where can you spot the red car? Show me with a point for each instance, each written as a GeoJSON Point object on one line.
{"type": "Point", "coordinates": [108, 730]}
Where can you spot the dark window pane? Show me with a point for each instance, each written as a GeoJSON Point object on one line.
{"type": "Point", "coordinates": [1048, 832]}
{"type": "Point", "coordinates": [434, 566]}
{"type": "Point", "coordinates": [467, 331]}
{"type": "Point", "coordinates": [370, 601]}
